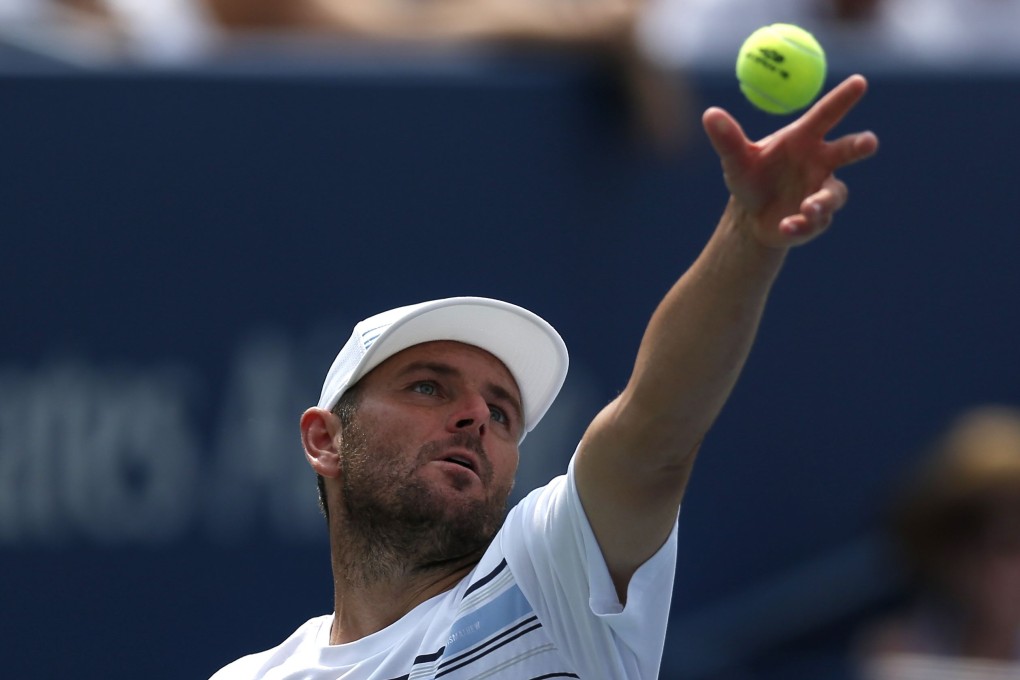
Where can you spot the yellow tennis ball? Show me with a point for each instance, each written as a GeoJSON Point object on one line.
{"type": "Point", "coordinates": [781, 68]}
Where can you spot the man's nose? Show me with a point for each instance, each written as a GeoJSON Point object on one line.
{"type": "Point", "coordinates": [471, 413]}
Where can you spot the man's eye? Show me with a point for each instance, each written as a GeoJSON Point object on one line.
{"type": "Point", "coordinates": [425, 387]}
{"type": "Point", "coordinates": [499, 415]}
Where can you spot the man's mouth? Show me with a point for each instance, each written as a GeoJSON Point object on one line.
{"type": "Point", "coordinates": [464, 452]}
{"type": "Point", "coordinates": [463, 461]}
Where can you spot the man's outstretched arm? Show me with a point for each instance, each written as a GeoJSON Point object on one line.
{"type": "Point", "coordinates": [636, 457]}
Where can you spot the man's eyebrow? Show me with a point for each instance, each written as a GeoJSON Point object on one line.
{"type": "Point", "coordinates": [498, 391]}
{"type": "Point", "coordinates": [433, 366]}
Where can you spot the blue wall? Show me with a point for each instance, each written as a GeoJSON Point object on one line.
{"type": "Point", "coordinates": [183, 253]}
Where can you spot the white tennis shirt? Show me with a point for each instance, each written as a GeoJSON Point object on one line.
{"type": "Point", "coordinates": [540, 604]}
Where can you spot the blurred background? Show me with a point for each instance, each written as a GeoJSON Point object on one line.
{"type": "Point", "coordinates": [201, 197]}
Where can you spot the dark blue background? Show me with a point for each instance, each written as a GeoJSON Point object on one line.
{"type": "Point", "coordinates": [153, 221]}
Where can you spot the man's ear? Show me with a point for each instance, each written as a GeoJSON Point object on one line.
{"type": "Point", "coordinates": [319, 428]}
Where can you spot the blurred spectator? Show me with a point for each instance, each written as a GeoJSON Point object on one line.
{"type": "Point", "coordinates": [710, 32]}
{"type": "Point", "coordinates": [857, 34]}
{"type": "Point", "coordinates": [180, 31]}
{"type": "Point", "coordinates": [602, 28]}
{"type": "Point", "coordinates": [675, 34]}
{"type": "Point", "coordinates": [563, 22]}
{"type": "Point", "coordinates": [588, 23]}
{"type": "Point", "coordinates": [957, 530]}
{"type": "Point", "coordinates": [957, 34]}
{"type": "Point", "coordinates": [99, 32]}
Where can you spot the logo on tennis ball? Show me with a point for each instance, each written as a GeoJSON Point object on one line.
{"type": "Point", "coordinates": [770, 59]}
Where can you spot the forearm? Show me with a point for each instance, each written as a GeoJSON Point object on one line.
{"type": "Point", "coordinates": [636, 457]}
{"type": "Point", "coordinates": [426, 23]}
{"type": "Point", "coordinates": [695, 346]}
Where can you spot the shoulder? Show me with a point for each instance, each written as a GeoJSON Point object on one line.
{"type": "Point", "coordinates": [254, 665]}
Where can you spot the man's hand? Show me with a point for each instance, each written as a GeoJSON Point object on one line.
{"type": "Point", "coordinates": [782, 187]}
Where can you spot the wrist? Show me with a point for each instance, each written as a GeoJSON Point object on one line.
{"type": "Point", "coordinates": [739, 234]}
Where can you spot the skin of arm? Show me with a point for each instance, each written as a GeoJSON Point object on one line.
{"type": "Point", "coordinates": [636, 457]}
{"type": "Point", "coordinates": [603, 21]}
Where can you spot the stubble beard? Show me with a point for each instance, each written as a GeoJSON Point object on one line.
{"type": "Point", "coordinates": [395, 523]}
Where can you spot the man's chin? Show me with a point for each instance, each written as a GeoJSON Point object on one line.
{"type": "Point", "coordinates": [468, 520]}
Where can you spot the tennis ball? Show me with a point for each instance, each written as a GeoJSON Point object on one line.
{"type": "Point", "coordinates": [781, 68]}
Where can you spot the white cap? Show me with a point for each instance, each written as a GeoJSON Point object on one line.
{"type": "Point", "coordinates": [528, 346]}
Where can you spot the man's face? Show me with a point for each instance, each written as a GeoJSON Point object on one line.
{"type": "Point", "coordinates": [430, 456]}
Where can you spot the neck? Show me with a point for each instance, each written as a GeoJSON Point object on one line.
{"type": "Point", "coordinates": [362, 611]}
{"type": "Point", "coordinates": [377, 580]}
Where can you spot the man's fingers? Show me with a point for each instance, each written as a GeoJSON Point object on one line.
{"type": "Point", "coordinates": [853, 148]}
{"type": "Point", "coordinates": [816, 212]}
{"type": "Point", "coordinates": [801, 228]}
{"type": "Point", "coordinates": [826, 201]}
{"type": "Point", "coordinates": [830, 109]}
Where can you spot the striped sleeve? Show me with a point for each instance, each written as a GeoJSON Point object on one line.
{"type": "Point", "coordinates": [552, 552]}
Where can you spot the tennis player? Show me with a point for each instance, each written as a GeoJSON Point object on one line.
{"type": "Point", "coordinates": [415, 443]}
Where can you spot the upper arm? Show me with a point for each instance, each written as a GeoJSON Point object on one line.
{"type": "Point", "coordinates": [630, 487]}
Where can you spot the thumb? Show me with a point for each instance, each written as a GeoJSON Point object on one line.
{"type": "Point", "coordinates": [725, 134]}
